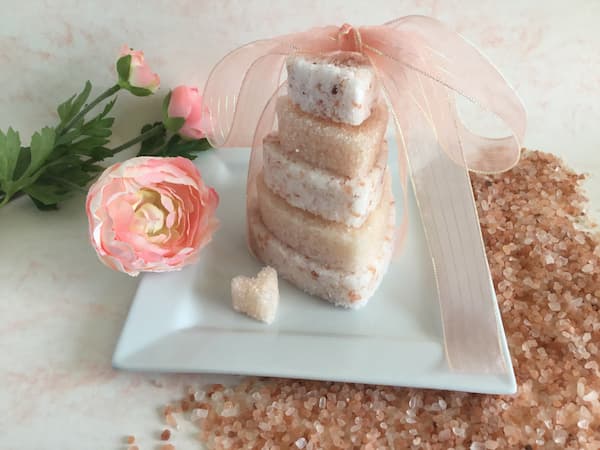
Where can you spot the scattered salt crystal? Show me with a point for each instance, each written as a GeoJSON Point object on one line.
{"type": "Point", "coordinates": [264, 426]}
{"type": "Point", "coordinates": [560, 436]}
{"type": "Point", "coordinates": [322, 402]}
{"type": "Point", "coordinates": [554, 306]}
{"type": "Point", "coordinates": [583, 424]}
{"type": "Point", "coordinates": [580, 388]}
{"type": "Point", "coordinates": [477, 446]}
{"type": "Point", "coordinates": [416, 441]}
{"type": "Point", "coordinates": [591, 396]}
{"type": "Point", "coordinates": [442, 404]}
{"type": "Point", "coordinates": [458, 431]}
{"type": "Point", "coordinates": [444, 435]}
{"type": "Point", "coordinates": [171, 420]}
{"type": "Point", "coordinates": [229, 412]}
{"type": "Point", "coordinates": [489, 444]}
{"type": "Point", "coordinates": [587, 268]}
{"type": "Point", "coordinates": [198, 413]}
{"type": "Point", "coordinates": [300, 443]}
{"type": "Point", "coordinates": [412, 402]}
{"type": "Point", "coordinates": [319, 427]}
{"type": "Point", "coordinates": [199, 396]}
{"type": "Point", "coordinates": [217, 396]}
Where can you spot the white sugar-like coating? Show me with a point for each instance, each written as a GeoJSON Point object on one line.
{"type": "Point", "coordinates": [321, 192]}
{"type": "Point", "coordinates": [330, 243]}
{"type": "Point", "coordinates": [342, 288]}
{"type": "Point", "coordinates": [257, 297]}
{"type": "Point", "coordinates": [340, 86]}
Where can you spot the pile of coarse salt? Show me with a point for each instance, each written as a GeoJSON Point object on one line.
{"type": "Point", "coordinates": [546, 273]}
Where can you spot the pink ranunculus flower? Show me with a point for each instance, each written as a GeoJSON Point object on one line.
{"type": "Point", "coordinates": [185, 103]}
{"type": "Point", "coordinates": [150, 214]}
{"type": "Point", "coordinates": [135, 74]}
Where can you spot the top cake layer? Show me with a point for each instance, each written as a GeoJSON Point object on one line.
{"type": "Point", "coordinates": [340, 86]}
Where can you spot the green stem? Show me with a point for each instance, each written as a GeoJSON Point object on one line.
{"type": "Point", "coordinates": [108, 93]}
{"type": "Point", "coordinates": [142, 137]}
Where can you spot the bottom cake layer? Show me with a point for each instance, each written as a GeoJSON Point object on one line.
{"type": "Point", "coordinates": [346, 289]}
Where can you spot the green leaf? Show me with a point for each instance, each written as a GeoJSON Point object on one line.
{"type": "Point", "coordinates": [124, 68]}
{"type": "Point", "coordinates": [174, 124]}
{"type": "Point", "coordinates": [42, 144]}
{"type": "Point", "coordinates": [138, 91]}
{"type": "Point", "coordinates": [10, 148]}
{"type": "Point", "coordinates": [22, 163]}
{"type": "Point", "coordinates": [152, 143]}
{"type": "Point", "coordinates": [165, 105]}
{"type": "Point", "coordinates": [81, 98]}
{"type": "Point", "coordinates": [100, 153]}
{"type": "Point", "coordinates": [64, 109]}
{"type": "Point", "coordinates": [69, 109]}
{"type": "Point", "coordinates": [108, 107]}
{"type": "Point", "coordinates": [97, 131]}
{"type": "Point", "coordinates": [42, 207]}
{"type": "Point", "coordinates": [47, 195]}
{"type": "Point", "coordinates": [69, 137]}
{"type": "Point", "coordinates": [177, 146]}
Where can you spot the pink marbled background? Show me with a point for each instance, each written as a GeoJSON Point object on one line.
{"type": "Point", "coordinates": [61, 311]}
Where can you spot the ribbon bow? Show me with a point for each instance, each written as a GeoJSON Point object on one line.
{"type": "Point", "coordinates": [422, 67]}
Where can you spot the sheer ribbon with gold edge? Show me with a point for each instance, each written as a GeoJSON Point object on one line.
{"type": "Point", "coordinates": [422, 65]}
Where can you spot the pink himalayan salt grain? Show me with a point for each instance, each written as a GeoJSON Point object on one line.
{"type": "Point", "coordinates": [551, 311]}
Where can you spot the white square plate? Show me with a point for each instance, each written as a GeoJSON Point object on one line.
{"type": "Point", "coordinates": [183, 321]}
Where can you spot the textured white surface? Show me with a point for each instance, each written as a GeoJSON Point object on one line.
{"type": "Point", "coordinates": [340, 92]}
{"type": "Point", "coordinates": [61, 311]}
{"type": "Point", "coordinates": [256, 296]}
{"type": "Point", "coordinates": [332, 197]}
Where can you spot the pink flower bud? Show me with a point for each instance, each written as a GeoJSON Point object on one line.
{"type": "Point", "coordinates": [135, 74]}
{"type": "Point", "coordinates": [186, 103]}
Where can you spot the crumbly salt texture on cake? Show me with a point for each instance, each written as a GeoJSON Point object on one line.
{"type": "Point", "coordinates": [332, 197]}
{"type": "Point", "coordinates": [340, 148]}
{"type": "Point", "coordinates": [332, 244]}
{"type": "Point", "coordinates": [257, 297]}
{"type": "Point", "coordinates": [340, 86]}
{"type": "Point", "coordinates": [342, 288]}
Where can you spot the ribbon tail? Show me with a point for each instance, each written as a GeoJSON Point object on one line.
{"type": "Point", "coordinates": [448, 212]}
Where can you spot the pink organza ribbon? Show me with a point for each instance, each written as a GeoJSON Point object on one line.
{"type": "Point", "coordinates": [422, 66]}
